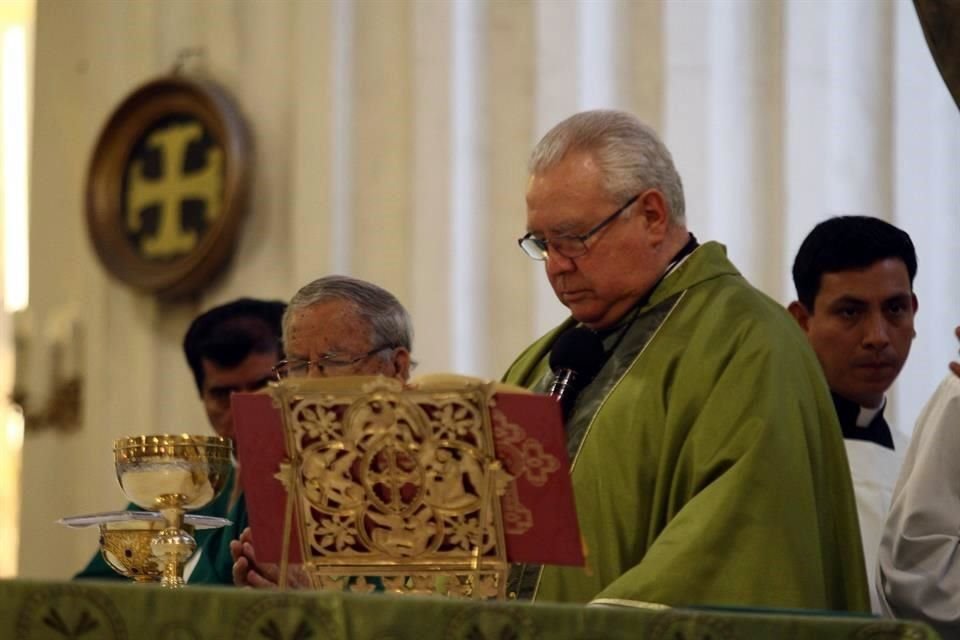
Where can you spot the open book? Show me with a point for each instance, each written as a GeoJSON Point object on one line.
{"type": "Point", "coordinates": [535, 494]}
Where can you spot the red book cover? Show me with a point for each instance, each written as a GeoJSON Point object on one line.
{"type": "Point", "coordinates": [539, 517]}
{"type": "Point", "coordinates": [540, 521]}
{"type": "Point", "coordinates": [258, 435]}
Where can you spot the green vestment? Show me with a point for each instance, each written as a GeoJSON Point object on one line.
{"type": "Point", "coordinates": [709, 468]}
{"type": "Point", "coordinates": [215, 565]}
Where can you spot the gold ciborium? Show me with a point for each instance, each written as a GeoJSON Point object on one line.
{"type": "Point", "coordinates": [172, 474]}
{"type": "Point", "coordinates": [126, 538]}
{"type": "Point", "coordinates": [127, 548]}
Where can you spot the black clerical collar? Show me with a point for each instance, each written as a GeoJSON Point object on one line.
{"type": "Point", "coordinates": [876, 430]}
{"type": "Point", "coordinates": [684, 252]}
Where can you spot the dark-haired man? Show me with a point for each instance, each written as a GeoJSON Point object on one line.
{"type": "Point", "coordinates": [229, 348]}
{"type": "Point", "coordinates": [233, 348]}
{"type": "Point", "coordinates": [854, 278]}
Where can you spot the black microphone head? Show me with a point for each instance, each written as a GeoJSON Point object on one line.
{"type": "Point", "coordinates": [580, 350]}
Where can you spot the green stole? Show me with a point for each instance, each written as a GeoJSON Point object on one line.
{"type": "Point", "coordinates": [627, 339]}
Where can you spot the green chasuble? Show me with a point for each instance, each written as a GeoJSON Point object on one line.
{"type": "Point", "coordinates": [215, 565]}
{"type": "Point", "coordinates": [708, 466]}
{"type": "Point", "coordinates": [98, 569]}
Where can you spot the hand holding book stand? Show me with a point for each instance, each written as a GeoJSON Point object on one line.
{"type": "Point", "coordinates": [433, 489]}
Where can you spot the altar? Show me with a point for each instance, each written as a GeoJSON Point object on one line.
{"type": "Point", "coordinates": [109, 611]}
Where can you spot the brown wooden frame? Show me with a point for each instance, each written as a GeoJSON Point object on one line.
{"type": "Point", "coordinates": [104, 207]}
{"type": "Point", "coordinates": [940, 20]}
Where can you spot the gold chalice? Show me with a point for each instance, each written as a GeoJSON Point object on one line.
{"type": "Point", "coordinates": [172, 474]}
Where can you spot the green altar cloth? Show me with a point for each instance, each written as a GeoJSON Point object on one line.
{"type": "Point", "coordinates": [106, 610]}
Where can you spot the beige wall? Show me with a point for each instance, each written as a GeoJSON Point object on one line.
{"type": "Point", "coordinates": [391, 139]}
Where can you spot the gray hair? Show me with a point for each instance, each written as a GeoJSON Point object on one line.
{"type": "Point", "coordinates": [389, 322]}
{"type": "Point", "coordinates": [629, 153]}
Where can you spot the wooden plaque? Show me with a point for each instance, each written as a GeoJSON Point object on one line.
{"type": "Point", "coordinates": [167, 186]}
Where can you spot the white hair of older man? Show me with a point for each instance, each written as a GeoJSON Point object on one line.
{"type": "Point", "coordinates": [390, 323]}
{"type": "Point", "coordinates": [630, 155]}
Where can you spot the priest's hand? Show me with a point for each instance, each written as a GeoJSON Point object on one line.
{"type": "Point", "coordinates": [247, 572]}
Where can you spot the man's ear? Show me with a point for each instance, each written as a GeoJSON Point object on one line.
{"type": "Point", "coordinates": [655, 211]}
{"type": "Point", "coordinates": [799, 313]}
{"type": "Point", "coordinates": [401, 364]}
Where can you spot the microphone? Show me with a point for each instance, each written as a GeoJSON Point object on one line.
{"type": "Point", "coordinates": [576, 357]}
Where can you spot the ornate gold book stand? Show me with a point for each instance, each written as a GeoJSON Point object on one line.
{"type": "Point", "coordinates": [391, 485]}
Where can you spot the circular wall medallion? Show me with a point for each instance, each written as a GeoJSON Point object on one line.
{"type": "Point", "coordinates": [167, 185]}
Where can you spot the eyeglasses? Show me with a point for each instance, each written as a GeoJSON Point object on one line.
{"type": "Point", "coordinates": [296, 368]}
{"type": "Point", "coordinates": [568, 246]}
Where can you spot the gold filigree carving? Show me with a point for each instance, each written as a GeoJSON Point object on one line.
{"type": "Point", "coordinates": [128, 553]}
{"type": "Point", "coordinates": [397, 488]}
